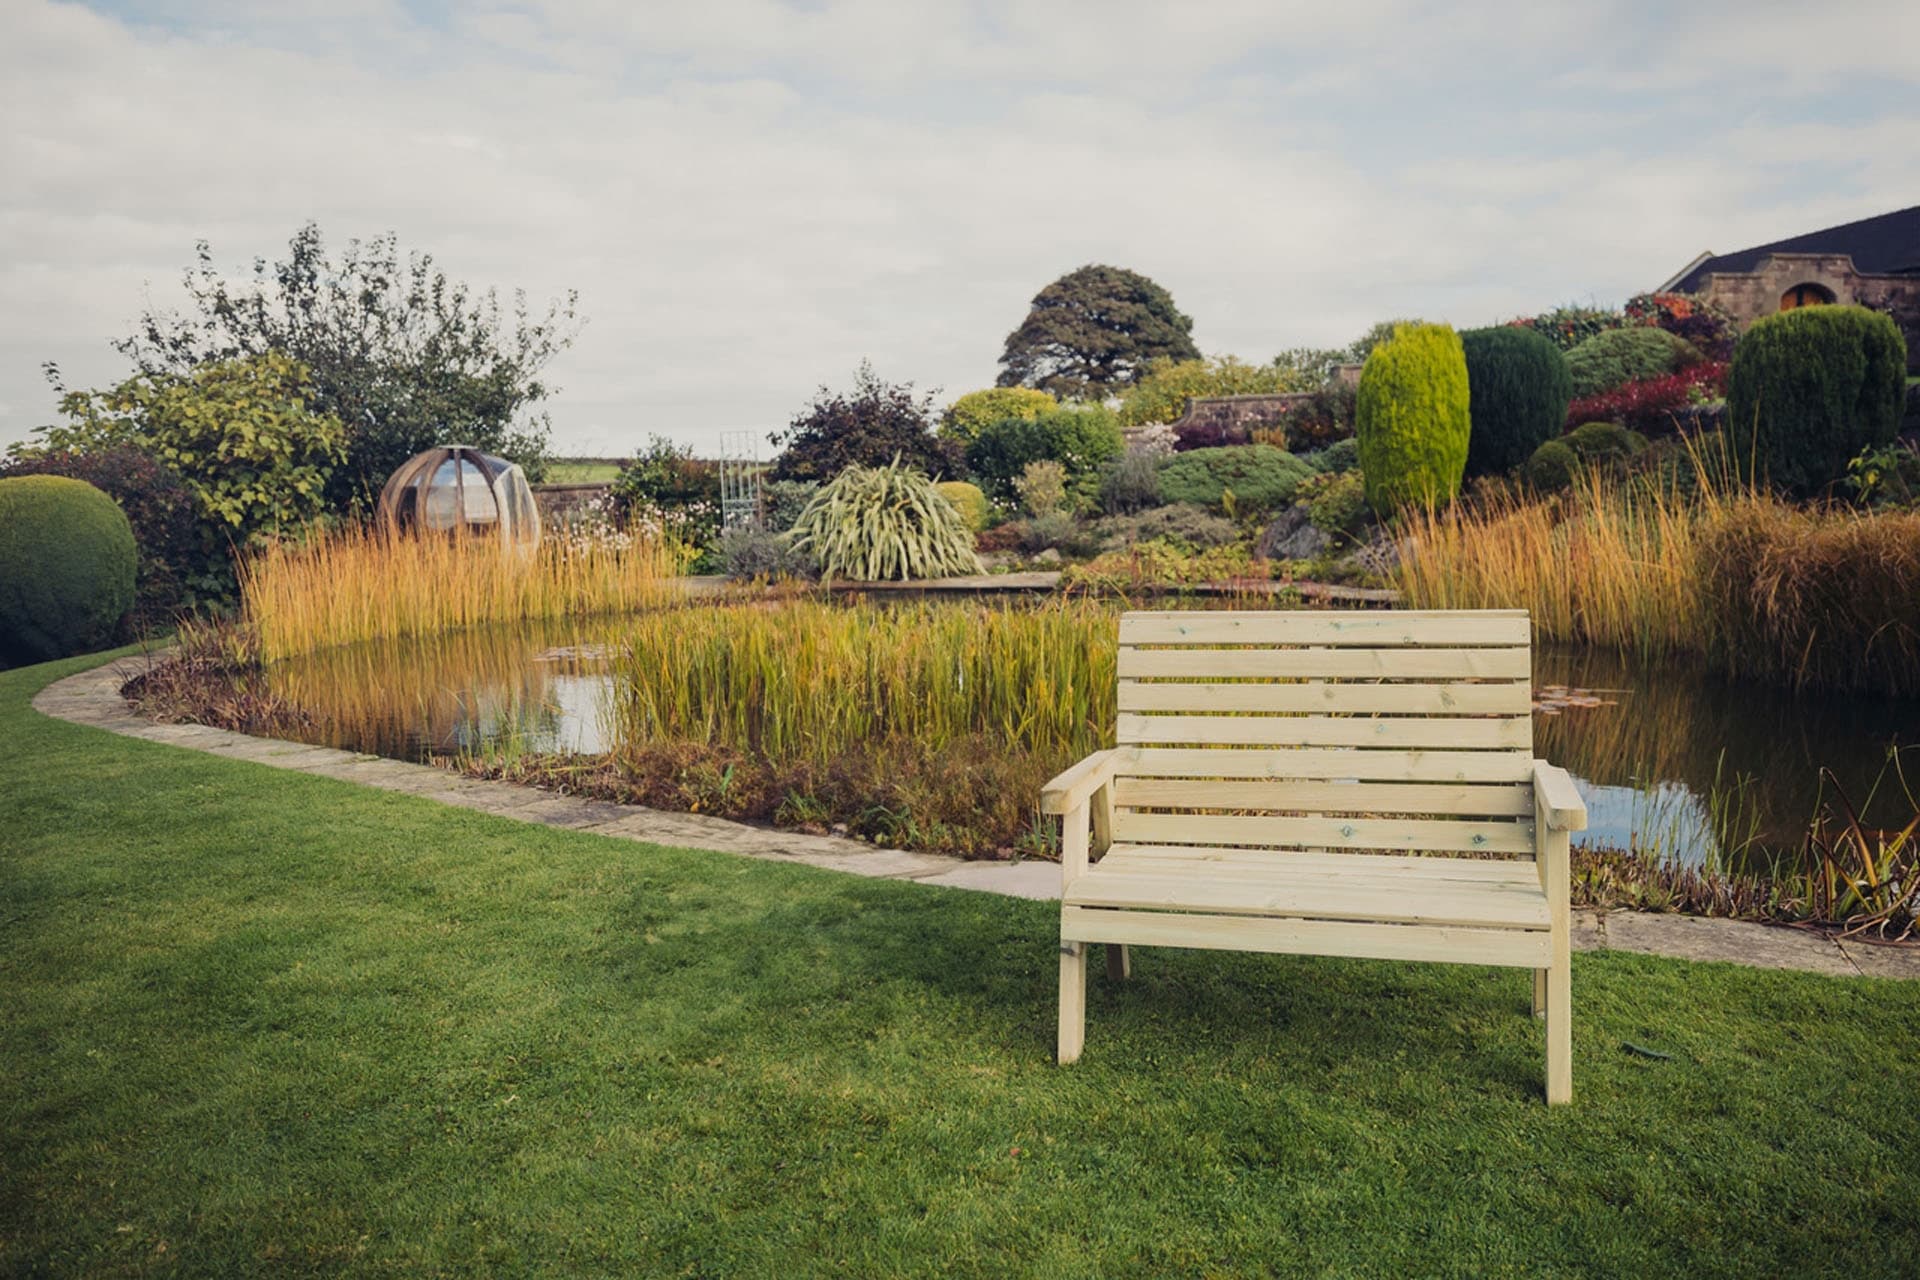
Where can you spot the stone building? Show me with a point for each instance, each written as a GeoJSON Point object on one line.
{"type": "Point", "coordinates": [1874, 262]}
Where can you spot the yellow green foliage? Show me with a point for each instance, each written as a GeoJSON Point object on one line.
{"type": "Point", "coordinates": [967, 500]}
{"type": "Point", "coordinates": [1162, 395]}
{"type": "Point", "coordinates": [66, 567]}
{"type": "Point", "coordinates": [965, 417]}
{"type": "Point", "coordinates": [1411, 418]}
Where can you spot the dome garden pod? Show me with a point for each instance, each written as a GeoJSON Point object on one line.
{"type": "Point", "coordinates": [458, 489]}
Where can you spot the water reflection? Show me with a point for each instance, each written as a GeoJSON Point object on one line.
{"type": "Point", "coordinates": [1663, 766]}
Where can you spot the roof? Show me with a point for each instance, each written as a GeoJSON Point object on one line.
{"type": "Point", "coordinates": [1883, 246]}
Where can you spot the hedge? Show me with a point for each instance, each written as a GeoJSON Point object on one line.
{"type": "Point", "coordinates": [1411, 418]}
{"type": "Point", "coordinates": [67, 566]}
{"type": "Point", "coordinates": [1518, 390]}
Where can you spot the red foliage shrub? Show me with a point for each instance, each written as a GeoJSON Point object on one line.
{"type": "Point", "coordinates": [1655, 405]}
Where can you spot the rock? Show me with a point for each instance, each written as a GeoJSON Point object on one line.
{"type": "Point", "coordinates": [1050, 556]}
{"type": "Point", "coordinates": [1292, 536]}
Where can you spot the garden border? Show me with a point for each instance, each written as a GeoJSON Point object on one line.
{"type": "Point", "coordinates": [92, 698]}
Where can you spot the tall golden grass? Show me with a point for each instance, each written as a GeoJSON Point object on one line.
{"type": "Point", "coordinates": [1691, 563]}
{"type": "Point", "coordinates": [357, 584]}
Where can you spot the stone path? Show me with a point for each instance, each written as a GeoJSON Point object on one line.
{"type": "Point", "coordinates": [93, 698]}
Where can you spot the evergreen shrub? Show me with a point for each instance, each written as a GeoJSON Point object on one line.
{"type": "Point", "coordinates": [1518, 392]}
{"type": "Point", "coordinates": [67, 568]}
{"type": "Point", "coordinates": [1411, 418]}
{"type": "Point", "coordinates": [1260, 477]}
{"type": "Point", "coordinates": [1619, 356]}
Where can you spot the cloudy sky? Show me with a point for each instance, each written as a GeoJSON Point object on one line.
{"type": "Point", "coordinates": [752, 195]}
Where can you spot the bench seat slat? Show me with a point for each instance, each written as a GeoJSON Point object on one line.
{"type": "Point", "coordinates": [1513, 733]}
{"type": "Point", "coordinates": [1516, 948]}
{"type": "Point", "coordinates": [1304, 861]}
{"type": "Point", "coordinates": [1487, 800]}
{"type": "Point", "coordinates": [1437, 835]}
{"type": "Point", "coordinates": [1514, 698]}
{"type": "Point", "coordinates": [1355, 664]}
{"type": "Point", "coordinates": [1298, 626]}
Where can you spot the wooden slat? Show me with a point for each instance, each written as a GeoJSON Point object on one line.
{"type": "Point", "coordinates": [1512, 698]}
{"type": "Point", "coordinates": [1399, 664]}
{"type": "Point", "coordinates": [1514, 733]}
{"type": "Point", "coordinates": [1560, 804]}
{"type": "Point", "coordinates": [1202, 859]}
{"type": "Point", "coordinates": [1496, 800]}
{"type": "Point", "coordinates": [1326, 763]}
{"type": "Point", "coordinates": [1515, 948]}
{"type": "Point", "coordinates": [1438, 835]}
{"type": "Point", "coordinates": [1313, 899]}
{"type": "Point", "coordinates": [1300, 626]}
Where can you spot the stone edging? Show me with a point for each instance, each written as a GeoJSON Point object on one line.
{"type": "Point", "coordinates": [93, 698]}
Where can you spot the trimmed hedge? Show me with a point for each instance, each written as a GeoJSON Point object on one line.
{"type": "Point", "coordinates": [1811, 388]}
{"type": "Point", "coordinates": [1260, 477]}
{"type": "Point", "coordinates": [1518, 392]}
{"type": "Point", "coordinates": [1552, 466]}
{"type": "Point", "coordinates": [1605, 440]}
{"type": "Point", "coordinates": [67, 566]}
{"type": "Point", "coordinates": [1619, 356]}
{"type": "Point", "coordinates": [1411, 418]}
{"type": "Point", "coordinates": [967, 500]}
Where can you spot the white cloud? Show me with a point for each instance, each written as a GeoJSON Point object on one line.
{"type": "Point", "coordinates": [753, 196]}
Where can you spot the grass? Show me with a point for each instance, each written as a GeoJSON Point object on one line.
{"type": "Point", "coordinates": [265, 1023]}
{"type": "Point", "coordinates": [358, 584]}
{"type": "Point", "coordinates": [1655, 564]}
{"type": "Point", "coordinates": [582, 472]}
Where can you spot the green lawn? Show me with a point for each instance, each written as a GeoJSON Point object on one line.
{"type": "Point", "coordinates": [256, 1022]}
{"type": "Point", "coordinates": [580, 472]}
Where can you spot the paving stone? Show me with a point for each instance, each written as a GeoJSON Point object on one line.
{"type": "Point", "coordinates": [1735, 941]}
{"type": "Point", "coordinates": [567, 811]}
{"type": "Point", "coordinates": [1882, 959]}
{"type": "Point", "coordinates": [1587, 930]}
{"type": "Point", "coordinates": [1040, 880]}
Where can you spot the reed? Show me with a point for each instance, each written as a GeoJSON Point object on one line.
{"type": "Point", "coordinates": [1686, 562]}
{"type": "Point", "coordinates": [356, 584]}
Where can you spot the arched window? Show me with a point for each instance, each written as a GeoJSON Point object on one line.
{"type": "Point", "coordinates": [1806, 295]}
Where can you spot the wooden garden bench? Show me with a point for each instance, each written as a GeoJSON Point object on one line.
{"type": "Point", "coordinates": [1322, 783]}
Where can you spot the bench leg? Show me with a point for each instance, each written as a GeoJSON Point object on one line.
{"type": "Point", "coordinates": [1539, 993]}
{"type": "Point", "coordinates": [1073, 1000]}
{"type": "Point", "coordinates": [1119, 962]}
{"type": "Point", "coordinates": [1560, 1028]}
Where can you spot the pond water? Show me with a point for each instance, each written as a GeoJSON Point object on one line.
{"type": "Point", "coordinates": [1670, 759]}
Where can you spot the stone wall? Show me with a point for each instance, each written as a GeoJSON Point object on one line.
{"type": "Point", "coordinates": [1748, 295]}
{"type": "Point", "coordinates": [557, 502]}
{"type": "Point", "coordinates": [1238, 413]}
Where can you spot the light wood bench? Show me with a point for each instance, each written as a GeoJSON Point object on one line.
{"type": "Point", "coordinates": [1322, 783]}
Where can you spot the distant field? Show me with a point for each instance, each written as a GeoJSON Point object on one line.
{"type": "Point", "coordinates": [581, 472]}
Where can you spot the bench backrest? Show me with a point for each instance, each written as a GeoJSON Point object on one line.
{"type": "Point", "coordinates": [1363, 731]}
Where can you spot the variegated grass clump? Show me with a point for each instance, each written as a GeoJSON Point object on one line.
{"type": "Point", "coordinates": [357, 584]}
{"type": "Point", "coordinates": [874, 523]}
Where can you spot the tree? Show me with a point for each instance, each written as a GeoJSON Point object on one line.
{"type": "Point", "coordinates": [975, 411]}
{"type": "Point", "coordinates": [1094, 331]}
{"type": "Point", "coordinates": [867, 428]}
{"type": "Point", "coordinates": [404, 357]}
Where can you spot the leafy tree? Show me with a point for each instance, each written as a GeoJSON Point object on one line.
{"type": "Point", "coordinates": [1081, 438]}
{"type": "Point", "coordinates": [966, 417]}
{"type": "Point", "coordinates": [1162, 394]}
{"type": "Point", "coordinates": [404, 357]}
{"type": "Point", "coordinates": [1094, 331]}
{"type": "Point", "coordinates": [877, 422]}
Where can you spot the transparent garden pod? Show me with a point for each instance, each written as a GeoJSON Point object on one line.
{"type": "Point", "coordinates": [458, 489]}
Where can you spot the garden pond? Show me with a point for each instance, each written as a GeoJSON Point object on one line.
{"type": "Point", "coordinates": [1671, 760]}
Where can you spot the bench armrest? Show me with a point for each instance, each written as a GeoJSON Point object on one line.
{"type": "Point", "coordinates": [1556, 800]}
{"type": "Point", "coordinates": [1076, 786]}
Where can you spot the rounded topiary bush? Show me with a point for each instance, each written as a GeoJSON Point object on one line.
{"type": "Point", "coordinates": [1518, 392]}
{"type": "Point", "coordinates": [67, 564]}
{"type": "Point", "coordinates": [1811, 388]}
{"type": "Point", "coordinates": [1605, 440]}
{"type": "Point", "coordinates": [1411, 418]}
{"type": "Point", "coordinates": [1619, 356]}
{"type": "Point", "coordinates": [1552, 466]}
{"type": "Point", "coordinates": [1260, 477]}
{"type": "Point", "coordinates": [967, 500]}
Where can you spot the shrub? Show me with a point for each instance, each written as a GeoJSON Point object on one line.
{"type": "Point", "coordinates": [1339, 507]}
{"type": "Point", "coordinates": [1656, 405]}
{"type": "Point", "coordinates": [1709, 329]}
{"type": "Point", "coordinates": [1324, 418]}
{"type": "Point", "coordinates": [749, 552]}
{"type": "Point", "coordinates": [67, 567]}
{"type": "Point", "coordinates": [1080, 438]}
{"type": "Point", "coordinates": [1042, 487]}
{"type": "Point", "coordinates": [1162, 395]}
{"type": "Point", "coordinates": [782, 501]}
{"type": "Point", "coordinates": [884, 522]}
{"type": "Point", "coordinates": [1341, 455]}
{"type": "Point", "coordinates": [175, 570]}
{"type": "Point", "coordinates": [1412, 418]}
{"type": "Point", "coordinates": [1243, 480]}
{"type": "Point", "coordinates": [1619, 356]}
{"type": "Point", "coordinates": [967, 500]}
{"type": "Point", "coordinates": [1568, 327]}
{"type": "Point", "coordinates": [973, 412]}
{"type": "Point", "coordinates": [866, 427]}
{"type": "Point", "coordinates": [1130, 482]}
{"type": "Point", "coordinates": [1518, 388]}
{"type": "Point", "coordinates": [1811, 388]}
{"type": "Point", "coordinates": [1183, 525]}
{"type": "Point", "coordinates": [1552, 466]}
{"type": "Point", "coordinates": [1056, 530]}
{"type": "Point", "coordinates": [1605, 440]}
